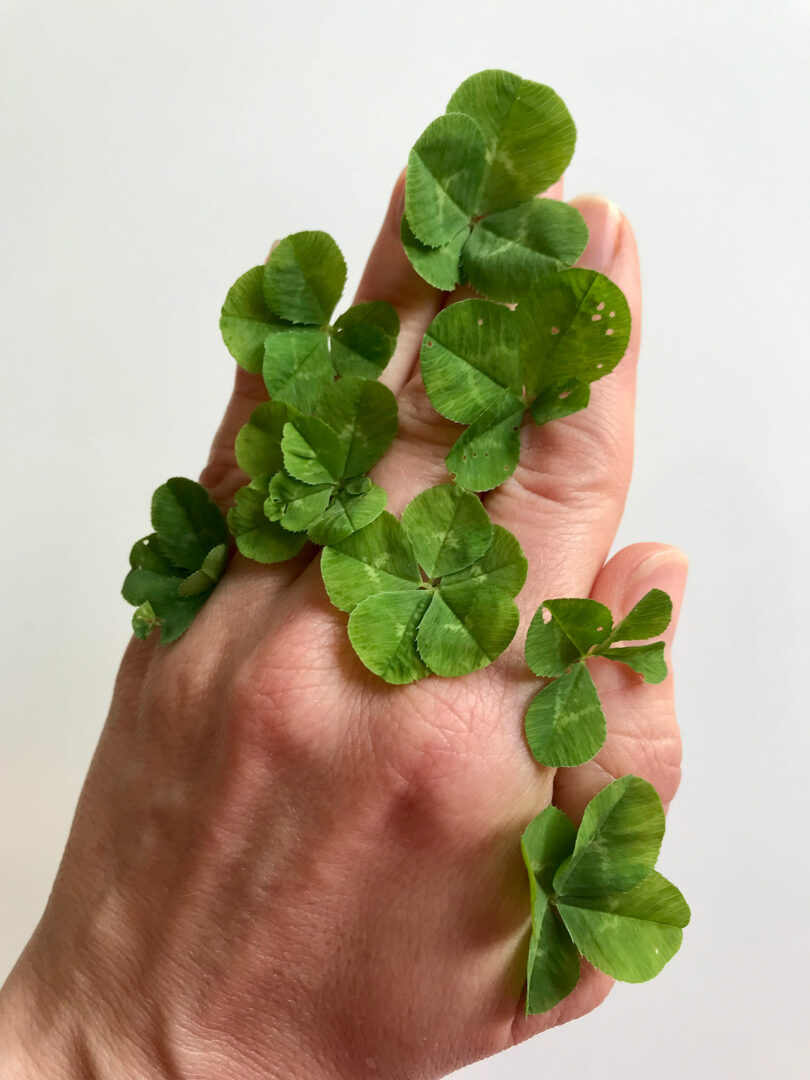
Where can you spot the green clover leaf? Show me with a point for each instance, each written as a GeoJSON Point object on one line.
{"type": "Point", "coordinates": [470, 207]}
{"type": "Point", "coordinates": [174, 569]}
{"type": "Point", "coordinates": [565, 724]}
{"type": "Point", "coordinates": [308, 471]}
{"type": "Point", "coordinates": [484, 365]}
{"type": "Point", "coordinates": [595, 893]}
{"type": "Point", "coordinates": [432, 593]}
{"type": "Point", "coordinates": [276, 319]}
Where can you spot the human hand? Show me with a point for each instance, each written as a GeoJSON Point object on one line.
{"type": "Point", "coordinates": [281, 866]}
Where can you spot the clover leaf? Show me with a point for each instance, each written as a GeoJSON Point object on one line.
{"type": "Point", "coordinates": [276, 319]}
{"type": "Point", "coordinates": [308, 471]}
{"type": "Point", "coordinates": [595, 893]}
{"type": "Point", "coordinates": [470, 207]}
{"type": "Point", "coordinates": [565, 724]}
{"type": "Point", "coordinates": [484, 365]}
{"type": "Point", "coordinates": [174, 569]}
{"type": "Point", "coordinates": [432, 593]}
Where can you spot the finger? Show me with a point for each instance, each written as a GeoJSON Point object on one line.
{"type": "Point", "coordinates": [642, 735]}
{"type": "Point", "coordinates": [390, 276]}
{"type": "Point", "coordinates": [567, 494]}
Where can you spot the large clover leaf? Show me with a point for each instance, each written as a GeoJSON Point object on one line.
{"type": "Point", "coordinates": [277, 319]}
{"type": "Point", "coordinates": [484, 365]}
{"type": "Point", "coordinates": [565, 724]}
{"type": "Point", "coordinates": [432, 593]}
{"type": "Point", "coordinates": [470, 207]}
{"type": "Point", "coordinates": [174, 569]}
{"type": "Point", "coordinates": [595, 893]}
{"type": "Point", "coordinates": [308, 471]}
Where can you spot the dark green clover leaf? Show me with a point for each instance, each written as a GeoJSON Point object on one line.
{"type": "Point", "coordinates": [485, 365]}
{"type": "Point", "coordinates": [308, 472]}
{"type": "Point", "coordinates": [276, 319]}
{"type": "Point", "coordinates": [595, 892]}
{"type": "Point", "coordinates": [470, 207]}
{"type": "Point", "coordinates": [434, 593]}
{"type": "Point", "coordinates": [565, 724]}
{"type": "Point", "coordinates": [174, 569]}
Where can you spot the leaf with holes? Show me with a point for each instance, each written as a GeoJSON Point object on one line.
{"type": "Point", "coordinates": [576, 327]}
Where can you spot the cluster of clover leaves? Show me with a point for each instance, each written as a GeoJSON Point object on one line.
{"type": "Point", "coordinates": [434, 592]}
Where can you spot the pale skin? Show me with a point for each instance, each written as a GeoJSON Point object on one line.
{"type": "Point", "coordinates": [281, 867]}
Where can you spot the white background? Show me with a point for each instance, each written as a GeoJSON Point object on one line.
{"type": "Point", "coordinates": [151, 151]}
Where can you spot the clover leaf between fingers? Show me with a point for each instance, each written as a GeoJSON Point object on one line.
{"type": "Point", "coordinates": [432, 593]}
{"type": "Point", "coordinates": [595, 892]}
{"type": "Point", "coordinates": [276, 319]}
{"type": "Point", "coordinates": [484, 365]}
{"type": "Point", "coordinates": [174, 569]}
{"type": "Point", "coordinates": [565, 724]}
{"type": "Point", "coordinates": [470, 207]}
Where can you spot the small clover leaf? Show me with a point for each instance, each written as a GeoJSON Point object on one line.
{"type": "Point", "coordinates": [565, 724]}
{"type": "Point", "coordinates": [257, 537]}
{"type": "Point", "coordinates": [484, 365]}
{"type": "Point", "coordinates": [470, 207]}
{"type": "Point", "coordinates": [432, 593]}
{"type": "Point", "coordinates": [276, 319]}
{"type": "Point", "coordinates": [595, 892]}
{"type": "Point", "coordinates": [174, 569]}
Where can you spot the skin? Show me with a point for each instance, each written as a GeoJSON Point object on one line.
{"type": "Point", "coordinates": [281, 866]}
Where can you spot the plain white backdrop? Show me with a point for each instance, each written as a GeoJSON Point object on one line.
{"type": "Point", "coordinates": [151, 151]}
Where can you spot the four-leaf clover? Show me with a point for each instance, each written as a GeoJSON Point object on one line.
{"type": "Point", "coordinates": [470, 207]}
{"type": "Point", "coordinates": [276, 319]}
{"type": "Point", "coordinates": [595, 893]}
{"type": "Point", "coordinates": [432, 593]}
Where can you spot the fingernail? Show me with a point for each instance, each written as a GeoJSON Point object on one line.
{"type": "Point", "coordinates": [273, 247]}
{"type": "Point", "coordinates": [604, 221]}
{"type": "Point", "coordinates": [665, 569]}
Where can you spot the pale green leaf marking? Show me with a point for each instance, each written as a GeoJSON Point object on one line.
{"type": "Point", "coordinates": [363, 414]}
{"type": "Point", "coordinates": [246, 320]}
{"type": "Point", "coordinates": [630, 935]}
{"type": "Point", "coordinates": [146, 555]}
{"type": "Point", "coordinates": [465, 628]}
{"type": "Point", "coordinates": [565, 724]}
{"type": "Point", "coordinates": [378, 558]}
{"type": "Point", "coordinates": [618, 840]}
{"type": "Point", "coordinates": [304, 278]}
{"type": "Point", "coordinates": [576, 326]}
{"type": "Point", "coordinates": [382, 630]}
{"type": "Point", "coordinates": [448, 527]}
{"type": "Point", "coordinates": [144, 621]}
{"type": "Point", "coordinates": [509, 252]}
{"type": "Point", "coordinates": [439, 266]}
{"type": "Point", "coordinates": [469, 356]}
{"type": "Point", "coordinates": [529, 132]}
{"type": "Point", "coordinates": [445, 168]}
{"type": "Point", "coordinates": [297, 368]}
{"type": "Point", "coordinates": [503, 565]}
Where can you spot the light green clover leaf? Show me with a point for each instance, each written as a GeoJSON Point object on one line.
{"type": "Point", "coordinates": [432, 593]}
{"type": "Point", "coordinates": [565, 724]}
{"type": "Point", "coordinates": [595, 892]}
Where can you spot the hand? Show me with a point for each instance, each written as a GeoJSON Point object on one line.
{"type": "Point", "coordinates": [281, 866]}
